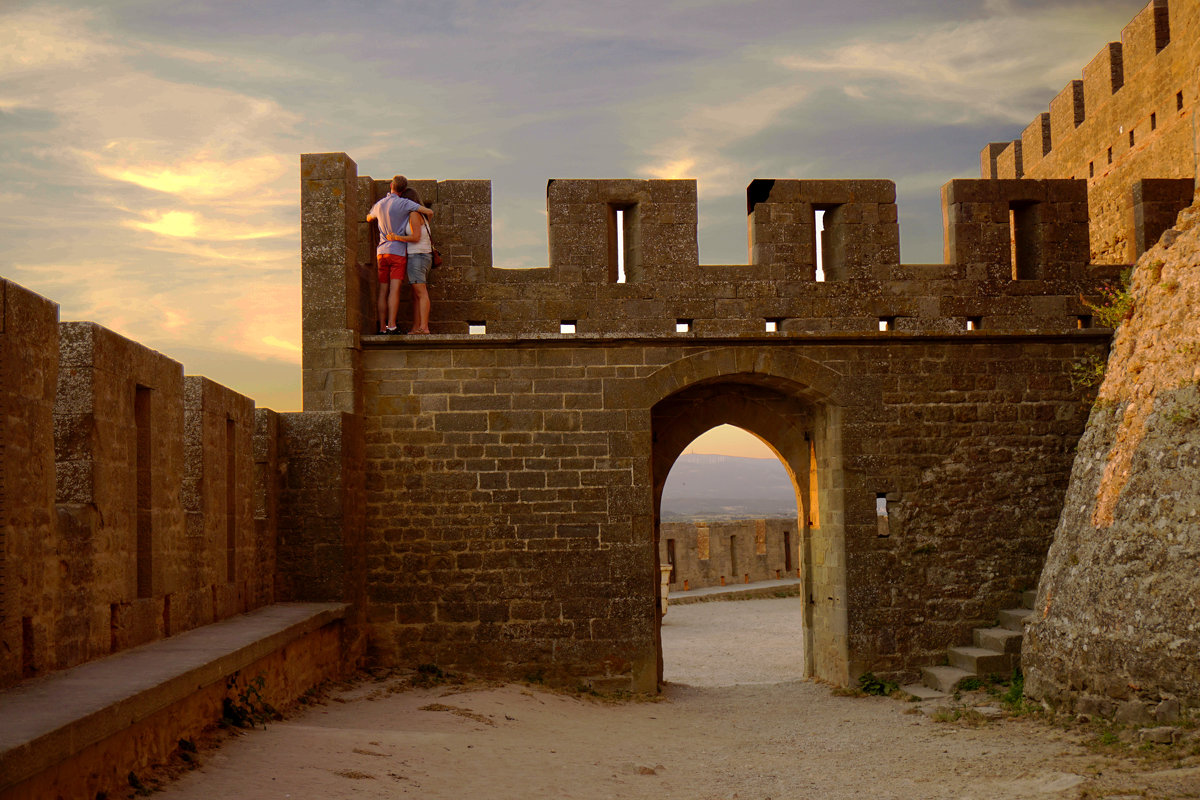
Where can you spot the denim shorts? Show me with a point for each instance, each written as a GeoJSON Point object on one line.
{"type": "Point", "coordinates": [418, 266]}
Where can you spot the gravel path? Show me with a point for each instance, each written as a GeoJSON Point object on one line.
{"type": "Point", "coordinates": [734, 722]}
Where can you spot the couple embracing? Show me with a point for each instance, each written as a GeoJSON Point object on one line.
{"type": "Point", "coordinates": [405, 251]}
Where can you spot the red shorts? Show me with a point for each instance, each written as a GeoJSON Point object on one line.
{"type": "Point", "coordinates": [392, 268]}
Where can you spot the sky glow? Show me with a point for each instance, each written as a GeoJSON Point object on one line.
{"type": "Point", "coordinates": [149, 149]}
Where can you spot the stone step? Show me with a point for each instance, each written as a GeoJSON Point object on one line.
{"type": "Point", "coordinates": [1029, 598]}
{"type": "Point", "coordinates": [981, 661]}
{"type": "Point", "coordinates": [944, 679]}
{"type": "Point", "coordinates": [922, 692]}
{"type": "Point", "coordinates": [1002, 640]}
{"type": "Point", "coordinates": [1015, 618]}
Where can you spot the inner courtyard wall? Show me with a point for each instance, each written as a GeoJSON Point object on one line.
{"type": "Point", "coordinates": [722, 552]}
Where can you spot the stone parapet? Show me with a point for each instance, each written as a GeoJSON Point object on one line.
{"type": "Point", "coordinates": [29, 566]}
{"type": "Point", "coordinates": [119, 453]}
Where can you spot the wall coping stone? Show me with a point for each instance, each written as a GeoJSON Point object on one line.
{"type": "Point", "coordinates": [691, 339]}
{"type": "Point", "coordinates": [49, 719]}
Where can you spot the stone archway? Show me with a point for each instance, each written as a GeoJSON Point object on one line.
{"type": "Point", "coordinates": [796, 420]}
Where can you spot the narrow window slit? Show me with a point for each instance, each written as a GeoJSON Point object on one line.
{"type": "Point", "coordinates": [881, 516]}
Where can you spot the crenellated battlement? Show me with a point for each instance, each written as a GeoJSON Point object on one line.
{"type": "Point", "coordinates": [1128, 119]}
{"type": "Point", "coordinates": [1016, 259]}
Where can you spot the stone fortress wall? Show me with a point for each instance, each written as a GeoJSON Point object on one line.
{"type": "Point", "coordinates": [486, 498]}
{"type": "Point", "coordinates": [1116, 629]}
{"type": "Point", "coordinates": [723, 552]}
{"type": "Point", "coordinates": [514, 460]}
{"type": "Point", "coordinates": [1125, 128]}
{"type": "Point", "coordinates": [139, 502]}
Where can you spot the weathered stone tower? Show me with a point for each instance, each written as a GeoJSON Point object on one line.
{"type": "Point", "coordinates": [515, 458]}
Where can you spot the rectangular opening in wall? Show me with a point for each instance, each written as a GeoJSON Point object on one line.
{"type": "Point", "coordinates": [1179, 101]}
{"type": "Point", "coordinates": [787, 552]}
{"type": "Point", "coordinates": [671, 559]}
{"type": "Point", "coordinates": [28, 659]}
{"type": "Point", "coordinates": [3, 532]}
{"type": "Point", "coordinates": [1132, 138]}
{"type": "Point", "coordinates": [1154, 122]}
{"type": "Point", "coordinates": [1023, 230]}
{"type": "Point", "coordinates": [1083, 321]}
{"type": "Point", "coordinates": [230, 501]}
{"type": "Point", "coordinates": [620, 242]}
{"type": "Point", "coordinates": [142, 453]}
{"type": "Point", "coordinates": [476, 328]}
{"type": "Point", "coordinates": [566, 326]}
{"type": "Point", "coordinates": [1110, 155]}
{"type": "Point", "coordinates": [819, 221]}
{"type": "Point", "coordinates": [1091, 169]}
{"type": "Point", "coordinates": [733, 556]}
{"type": "Point", "coordinates": [814, 515]}
{"type": "Point", "coordinates": [881, 515]}
{"type": "Point", "coordinates": [773, 325]}
{"type": "Point", "coordinates": [683, 326]}
{"type": "Point", "coordinates": [974, 323]}
{"type": "Point", "coordinates": [886, 323]}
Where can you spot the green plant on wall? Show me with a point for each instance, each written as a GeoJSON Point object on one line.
{"type": "Point", "coordinates": [1087, 372]}
{"type": "Point", "coordinates": [249, 708]}
{"type": "Point", "coordinates": [1116, 303]}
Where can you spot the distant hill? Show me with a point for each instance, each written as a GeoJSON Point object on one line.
{"type": "Point", "coordinates": [727, 487]}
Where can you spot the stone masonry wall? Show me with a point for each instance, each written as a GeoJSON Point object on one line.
{"type": "Point", "coordinates": [218, 497]}
{"type": "Point", "coordinates": [1117, 622]}
{"type": "Point", "coordinates": [137, 502]}
{"type": "Point", "coordinates": [28, 533]}
{"type": "Point", "coordinates": [719, 553]}
{"type": "Point", "coordinates": [119, 450]}
{"type": "Point", "coordinates": [509, 495]}
{"type": "Point", "coordinates": [1128, 119]}
{"type": "Point", "coordinates": [512, 466]}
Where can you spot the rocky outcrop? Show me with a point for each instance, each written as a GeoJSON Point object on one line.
{"type": "Point", "coordinates": [1116, 627]}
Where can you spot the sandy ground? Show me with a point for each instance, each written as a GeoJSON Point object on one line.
{"type": "Point", "coordinates": [733, 722]}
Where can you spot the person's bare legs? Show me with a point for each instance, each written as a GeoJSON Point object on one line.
{"type": "Point", "coordinates": [393, 301]}
{"type": "Point", "coordinates": [420, 304]}
{"type": "Point", "coordinates": [381, 304]}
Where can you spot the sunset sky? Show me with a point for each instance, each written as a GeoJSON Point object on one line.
{"type": "Point", "coordinates": [149, 149]}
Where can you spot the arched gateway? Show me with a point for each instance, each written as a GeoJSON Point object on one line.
{"type": "Point", "coordinates": [500, 479]}
{"type": "Point", "coordinates": [799, 422]}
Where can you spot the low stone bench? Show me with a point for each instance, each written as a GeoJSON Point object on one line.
{"type": "Point", "coordinates": [81, 731]}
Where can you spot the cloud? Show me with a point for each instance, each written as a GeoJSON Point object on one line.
{"type": "Point", "coordinates": [199, 177]}
{"type": "Point", "coordinates": [39, 38]}
{"type": "Point", "coordinates": [968, 70]}
{"type": "Point", "coordinates": [173, 223]}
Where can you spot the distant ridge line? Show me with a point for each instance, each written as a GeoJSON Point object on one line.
{"type": "Point", "coordinates": [717, 458]}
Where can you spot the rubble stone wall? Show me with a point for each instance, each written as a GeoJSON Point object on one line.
{"type": "Point", "coordinates": [1117, 622]}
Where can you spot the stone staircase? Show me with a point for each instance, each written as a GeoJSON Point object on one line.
{"type": "Point", "coordinates": [995, 651]}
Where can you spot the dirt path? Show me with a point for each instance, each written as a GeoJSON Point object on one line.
{"type": "Point", "coordinates": [733, 723]}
